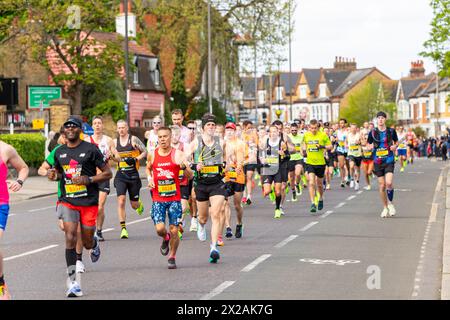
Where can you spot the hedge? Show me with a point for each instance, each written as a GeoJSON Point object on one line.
{"type": "Point", "coordinates": [30, 146]}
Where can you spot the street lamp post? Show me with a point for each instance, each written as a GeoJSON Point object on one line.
{"type": "Point", "coordinates": [127, 107]}
{"type": "Point", "coordinates": [209, 58]}
{"type": "Point", "coordinates": [290, 66]}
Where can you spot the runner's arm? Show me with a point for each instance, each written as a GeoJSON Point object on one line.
{"type": "Point", "coordinates": [21, 167]}
{"type": "Point", "coordinates": [149, 170]}
{"type": "Point", "coordinates": [184, 164]}
{"type": "Point", "coordinates": [113, 151]}
{"type": "Point", "coordinates": [138, 144]}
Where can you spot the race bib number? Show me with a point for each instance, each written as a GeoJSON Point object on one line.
{"type": "Point", "coordinates": [75, 190]}
{"type": "Point", "coordinates": [167, 188]}
{"type": "Point", "coordinates": [341, 144]}
{"type": "Point", "coordinates": [368, 154]}
{"type": "Point", "coordinates": [124, 165]}
{"type": "Point", "coordinates": [181, 174]}
{"type": "Point", "coordinates": [210, 170]}
{"type": "Point", "coordinates": [272, 160]}
{"type": "Point", "coordinates": [354, 148]}
{"type": "Point", "coordinates": [382, 153]}
{"type": "Point", "coordinates": [402, 146]}
{"type": "Point", "coordinates": [298, 148]}
{"type": "Point", "coordinates": [313, 148]}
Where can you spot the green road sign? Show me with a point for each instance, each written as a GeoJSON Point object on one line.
{"type": "Point", "coordinates": [42, 95]}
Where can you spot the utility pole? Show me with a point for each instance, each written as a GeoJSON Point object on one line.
{"type": "Point", "coordinates": [209, 58]}
{"type": "Point", "coordinates": [127, 100]}
{"type": "Point", "coordinates": [436, 108]}
{"type": "Point", "coordinates": [290, 67]}
{"type": "Point", "coordinates": [256, 88]}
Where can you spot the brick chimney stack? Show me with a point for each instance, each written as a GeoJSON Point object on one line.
{"type": "Point", "coordinates": [417, 70]}
{"type": "Point", "coordinates": [341, 63]}
{"type": "Point", "coordinates": [122, 7]}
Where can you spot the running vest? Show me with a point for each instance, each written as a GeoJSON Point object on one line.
{"type": "Point", "coordinates": [297, 141]}
{"type": "Point", "coordinates": [231, 175]}
{"type": "Point", "coordinates": [212, 159]}
{"type": "Point", "coordinates": [341, 137]}
{"type": "Point", "coordinates": [127, 152]}
{"type": "Point", "coordinates": [354, 147]}
{"type": "Point", "coordinates": [272, 158]}
{"type": "Point", "coordinates": [166, 177]}
{"type": "Point", "coordinates": [183, 179]}
{"type": "Point", "coordinates": [4, 193]}
{"type": "Point", "coordinates": [102, 146]}
{"type": "Point", "coordinates": [401, 140]}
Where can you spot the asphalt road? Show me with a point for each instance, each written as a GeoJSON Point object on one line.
{"type": "Point", "coordinates": [345, 252]}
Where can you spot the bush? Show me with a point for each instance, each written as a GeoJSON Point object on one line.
{"type": "Point", "coordinates": [112, 107]}
{"type": "Point", "coordinates": [30, 146]}
{"type": "Point", "coordinates": [202, 107]}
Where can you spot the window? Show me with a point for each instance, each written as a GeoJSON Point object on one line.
{"type": "Point", "coordinates": [136, 73]}
{"type": "Point", "coordinates": [427, 109]}
{"type": "Point", "coordinates": [303, 93]}
{"type": "Point", "coordinates": [154, 71]}
{"type": "Point", "coordinates": [322, 90]}
{"type": "Point", "coordinates": [137, 123]}
{"type": "Point", "coordinates": [261, 97]}
{"type": "Point", "coordinates": [147, 123]}
{"type": "Point", "coordinates": [279, 93]}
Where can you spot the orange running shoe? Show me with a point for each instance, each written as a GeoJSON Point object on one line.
{"type": "Point", "coordinates": [4, 293]}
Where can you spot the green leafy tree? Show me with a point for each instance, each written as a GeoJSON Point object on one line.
{"type": "Point", "coordinates": [364, 104]}
{"type": "Point", "coordinates": [111, 107]}
{"type": "Point", "coordinates": [64, 27]}
{"type": "Point", "coordinates": [419, 131]}
{"type": "Point", "coordinates": [201, 107]}
{"type": "Point", "coordinates": [437, 47]}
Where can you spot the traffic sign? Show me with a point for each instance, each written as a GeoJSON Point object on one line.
{"type": "Point", "coordinates": [40, 97]}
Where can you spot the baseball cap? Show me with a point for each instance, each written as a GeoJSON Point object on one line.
{"type": "Point", "coordinates": [74, 121]}
{"type": "Point", "coordinates": [230, 125]}
{"type": "Point", "coordinates": [208, 117]}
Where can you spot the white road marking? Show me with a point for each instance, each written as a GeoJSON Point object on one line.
{"type": "Point", "coordinates": [416, 172]}
{"type": "Point", "coordinates": [326, 214]}
{"type": "Point", "coordinates": [137, 221]}
{"type": "Point", "coordinates": [30, 252]}
{"type": "Point", "coordinates": [403, 190]}
{"type": "Point", "coordinates": [40, 209]}
{"type": "Point", "coordinates": [341, 262]}
{"type": "Point", "coordinates": [359, 192]}
{"type": "Point", "coordinates": [351, 198]}
{"type": "Point", "coordinates": [108, 230]}
{"type": "Point", "coordinates": [286, 241]}
{"type": "Point", "coordinates": [340, 205]}
{"type": "Point", "coordinates": [310, 225]}
{"type": "Point", "coordinates": [218, 290]}
{"type": "Point", "coordinates": [252, 265]}
{"type": "Point", "coordinates": [11, 215]}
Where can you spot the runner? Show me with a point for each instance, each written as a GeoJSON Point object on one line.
{"type": "Point", "coordinates": [410, 137]}
{"type": "Point", "coordinates": [210, 189]}
{"type": "Point", "coordinates": [8, 157]}
{"type": "Point", "coordinates": [330, 158]}
{"type": "Point", "coordinates": [234, 179]}
{"type": "Point", "coordinates": [341, 136]}
{"type": "Point", "coordinates": [76, 166]}
{"type": "Point", "coordinates": [296, 162]}
{"type": "Point", "coordinates": [367, 159]}
{"type": "Point", "coordinates": [192, 199]}
{"type": "Point", "coordinates": [152, 135]}
{"type": "Point", "coordinates": [177, 120]}
{"type": "Point", "coordinates": [272, 152]}
{"type": "Point", "coordinates": [353, 145]}
{"type": "Point", "coordinates": [131, 150]}
{"type": "Point", "coordinates": [315, 142]}
{"type": "Point", "coordinates": [384, 142]}
{"type": "Point", "coordinates": [107, 148]}
{"type": "Point", "coordinates": [250, 138]}
{"type": "Point", "coordinates": [402, 148]}
{"type": "Point", "coordinates": [163, 171]}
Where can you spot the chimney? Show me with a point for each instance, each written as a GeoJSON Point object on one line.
{"type": "Point", "coordinates": [120, 20]}
{"type": "Point", "coordinates": [342, 63]}
{"type": "Point", "coordinates": [417, 70]}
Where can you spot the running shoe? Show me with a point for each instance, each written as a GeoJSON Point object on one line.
{"type": "Point", "coordinates": [220, 242]}
{"type": "Point", "coordinates": [244, 200]}
{"type": "Point", "coordinates": [352, 184]}
{"type": "Point", "coordinates": [165, 246]}
{"type": "Point", "coordinates": [328, 187]}
{"type": "Point", "coordinates": [80, 267]}
{"type": "Point", "coordinates": [229, 233]}
{"type": "Point", "coordinates": [180, 231]}
{"type": "Point", "coordinates": [347, 182]}
{"type": "Point", "coordinates": [313, 208]}
{"type": "Point", "coordinates": [316, 199]}
{"type": "Point", "coordinates": [124, 234]}
{"type": "Point", "coordinates": [277, 214]}
{"type": "Point", "coordinates": [140, 210]}
{"type": "Point", "coordinates": [368, 188]}
{"type": "Point", "coordinates": [356, 185]}
{"type": "Point", "coordinates": [214, 255]}
{"type": "Point", "coordinates": [249, 201]}
{"type": "Point", "coordinates": [74, 290]}
{"type": "Point", "coordinates": [201, 232]}
{"type": "Point", "coordinates": [238, 232]}
{"type": "Point", "coordinates": [282, 211]}
{"type": "Point", "coordinates": [95, 252]}
{"type": "Point", "coordinates": [299, 190]}
{"type": "Point", "coordinates": [171, 263]}
{"type": "Point", "coordinates": [4, 292]}
{"type": "Point", "coordinates": [99, 235]}
{"type": "Point", "coordinates": [259, 183]}
{"type": "Point", "coordinates": [385, 213]}
{"type": "Point", "coordinates": [320, 205]}
{"type": "Point", "coordinates": [391, 210]}
{"type": "Point", "coordinates": [194, 224]}
{"type": "Point", "coordinates": [294, 196]}
{"type": "Point", "coordinates": [402, 169]}
{"type": "Point", "coordinates": [342, 184]}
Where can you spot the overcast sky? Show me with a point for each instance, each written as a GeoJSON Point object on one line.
{"type": "Point", "coordinates": [388, 34]}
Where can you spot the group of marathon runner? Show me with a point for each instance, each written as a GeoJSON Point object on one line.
{"type": "Point", "coordinates": [203, 172]}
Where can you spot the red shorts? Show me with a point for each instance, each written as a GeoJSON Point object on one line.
{"type": "Point", "coordinates": [367, 162]}
{"type": "Point", "coordinates": [88, 215]}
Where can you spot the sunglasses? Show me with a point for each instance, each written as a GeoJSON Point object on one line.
{"type": "Point", "coordinates": [156, 122]}
{"type": "Point", "coordinates": [191, 128]}
{"type": "Point", "coordinates": [71, 125]}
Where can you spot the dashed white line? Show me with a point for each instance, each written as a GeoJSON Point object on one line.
{"type": "Point", "coordinates": [40, 209]}
{"type": "Point", "coordinates": [286, 241]}
{"type": "Point", "coordinates": [252, 265]}
{"type": "Point", "coordinates": [309, 226]}
{"type": "Point", "coordinates": [360, 191]}
{"type": "Point", "coordinates": [351, 198]}
{"type": "Point", "coordinates": [108, 230]}
{"type": "Point", "coordinates": [137, 221]}
{"type": "Point", "coordinates": [218, 290]}
{"type": "Point", "coordinates": [340, 205]}
{"type": "Point", "coordinates": [326, 214]}
{"type": "Point", "coordinates": [30, 252]}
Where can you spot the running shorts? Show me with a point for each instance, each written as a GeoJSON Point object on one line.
{"type": "Point", "coordinates": [233, 187]}
{"type": "Point", "coordinates": [104, 186]}
{"type": "Point", "coordinates": [276, 178]}
{"type": "Point", "coordinates": [204, 191]}
{"type": "Point", "coordinates": [356, 160]}
{"type": "Point", "coordinates": [401, 152]}
{"type": "Point", "coordinates": [171, 208]}
{"type": "Point", "coordinates": [4, 213]}
{"type": "Point", "coordinates": [341, 154]}
{"type": "Point", "coordinates": [319, 170]}
{"type": "Point", "coordinates": [367, 161]}
{"type": "Point", "coordinates": [185, 192]}
{"type": "Point", "coordinates": [380, 170]}
{"type": "Point", "coordinates": [329, 162]}
{"type": "Point", "coordinates": [250, 167]}
{"type": "Point", "coordinates": [133, 186]}
{"type": "Point", "coordinates": [86, 215]}
{"type": "Point", "coordinates": [284, 171]}
{"type": "Point", "coordinates": [293, 163]}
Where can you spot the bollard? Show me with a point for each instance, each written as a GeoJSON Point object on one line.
{"type": "Point", "coordinates": [11, 128]}
{"type": "Point", "coordinates": [46, 130]}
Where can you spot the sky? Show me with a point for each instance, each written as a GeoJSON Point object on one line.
{"type": "Point", "coordinates": [387, 34]}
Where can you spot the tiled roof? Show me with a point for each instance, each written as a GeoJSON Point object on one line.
{"type": "Point", "coordinates": [133, 47]}
{"type": "Point", "coordinates": [284, 79]}
{"type": "Point", "coordinates": [248, 87]}
{"type": "Point", "coordinates": [312, 78]}
{"type": "Point", "coordinates": [352, 79]}
{"type": "Point", "coordinates": [410, 85]}
{"type": "Point", "coordinates": [335, 78]}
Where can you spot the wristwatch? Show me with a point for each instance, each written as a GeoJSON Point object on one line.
{"type": "Point", "coordinates": [91, 179]}
{"type": "Point", "coordinates": [19, 182]}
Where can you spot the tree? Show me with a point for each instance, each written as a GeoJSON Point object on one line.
{"type": "Point", "coordinates": [364, 104]}
{"type": "Point", "coordinates": [64, 31]}
{"type": "Point", "coordinates": [437, 47]}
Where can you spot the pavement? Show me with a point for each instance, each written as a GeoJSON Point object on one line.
{"type": "Point", "coordinates": [344, 252]}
